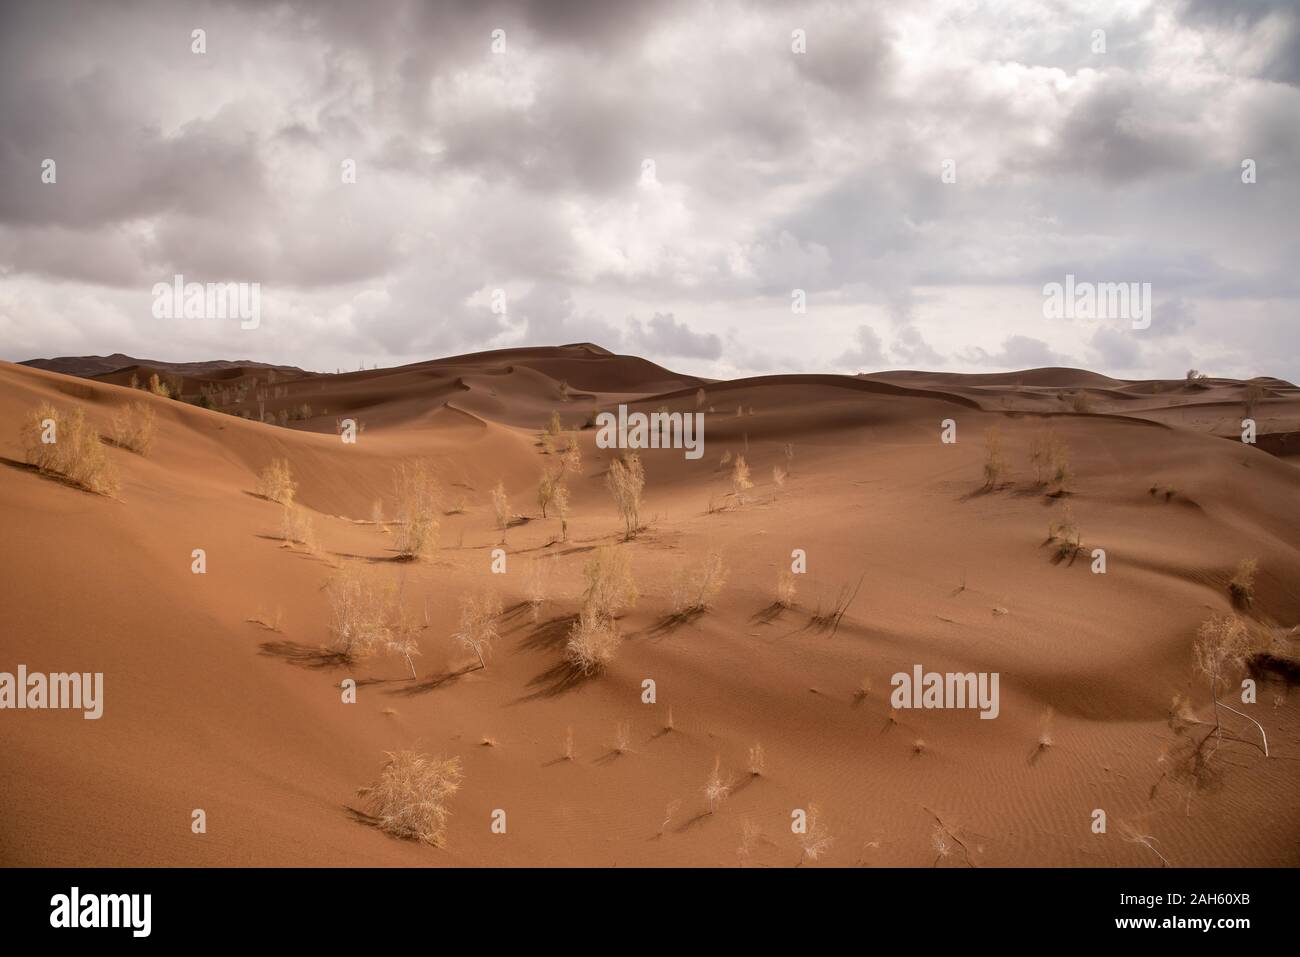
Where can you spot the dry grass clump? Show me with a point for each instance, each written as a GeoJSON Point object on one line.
{"type": "Point", "coordinates": [410, 798]}
{"type": "Point", "coordinates": [571, 457]}
{"type": "Point", "coordinates": [276, 482]}
{"type": "Point", "coordinates": [695, 588]}
{"type": "Point", "coordinates": [65, 444]}
{"type": "Point", "coordinates": [297, 528]}
{"type": "Point", "coordinates": [561, 503]}
{"type": "Point", "coordinates": [626, 480]}
{"type": "Point", "coordinates": [478, 625]}
{"type": "Point", "coordinates": [1242, 583]}
{"type": "Point", "coordinates": [757, 760]}
{"type": "Point", "coordinates": [593, 642]}
{"type": "Point", "coordinates": [418, 501]}
{"type": "Point", "coordinates": [133, 427]}
{"type": "Point", "coordinates": [539, 577]}
{"type": "Point", "coordinates": [995, 466]}
{"type": "Point", "coordinates": [158, 387]}
{"type": "Point", "coordinates": [1081, 401]}
{"type": "Point", "coordinates": [363, 612]}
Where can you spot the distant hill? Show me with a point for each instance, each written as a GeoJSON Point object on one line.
{"type": "Point", "coordinates": [91, 366]}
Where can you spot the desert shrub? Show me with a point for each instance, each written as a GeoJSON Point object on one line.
{"type": "Point", "coordinates": [757, 760]}
{"type": "Point", "coordinates": [158, 387]}
{"type": "Point", "coordinates": [539, 576]}
{"type": "Point", "coordinates": [561, 502]}
{"type": "Point", "coordinates": [297, 528]}
{"type": "Point", "coordinates": [1046, 450]}
{"type": "Point", "coordinates": [695, 588]}
{"type": "Point", "coordinates": [65, 444]}
{"type": "Point", "coordinates": [715, 788]}
{"type": "Point", "coordinates": [740, 480]}
{"type": "Point", "coordinates": [276, 482]}
{"type": "Point", "coordinates": [554, 427]}
{"type": "Point", "coordinates": [1058, 467]}
{"type": "Point", "coordinates": [133, 427]}
{"type": "Point", "coordinates": [478, 625]}
{"type": "Point", "coordinates": [626, 480]}
{"type": "Point", "coordinates": [1250, 398]}
{"type": "Point", "coordinates": [1081, 401]}
{"type": "Point", "coordinates": [593, 641]}
{"type": "Point", "coordinates": [417, 498]}
{"type": "Point", "coordinates": [1065, 534]}
{"type": "Point", "coordinates": [546, 487]}
{"type": "Point", "coordinates": [1242, 583]}
{"type": "Point", "coordinates": [501, 507]}
{"type": "Point", "coordinates": [778, 476]}
{"type": "Point", "coordinates": [995, 465]}
{"type": "Point", "coordinates": [785, 588]}
{"type": "Point", "coordinates": [1222, 646]}
{"type": "Point", "coordinates": [363, 612]}
{"type": "Point", "coordinates": [610, 585]}
{"type": "Point", "coordinates": [410, 798]}
{"type": "Point", "coordinates": [572, 455]}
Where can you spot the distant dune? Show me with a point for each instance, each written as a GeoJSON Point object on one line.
{"type": "Point", "coordinates": [220, 693]}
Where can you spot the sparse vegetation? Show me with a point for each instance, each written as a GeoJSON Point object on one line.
{"type": "Point", "coordinates": [757, 760]}
{"type": "Point", "coordinates": [593, 642]}
{"type": "Point", "coordinates": [740, 480]}
{"type": "Point", "coordinates": [478, 625]}
{"type": "Point", "coordinates": [1242, 584]}
{"type": "Point", "coordinates": [363, 614]}
{"type": "Point", "coordinates": [546, 487]}
{"type": "Point", "coordinates": [501, 507]}
{"type": "Point", "coordinates": [1222, 645]}
{"type": "Point", "coordinates": [561, 503]}
{"type": "Point", "coordinates": [695, 588]}
{"type": "Point", "coordinates": [815, 839]}
{"type": "Point", "coordinates": [626, 480]}
{"type": "Point", "coordinates": [785, 588]}
{"type": "Point", "coordinates": [297, 528]}
{"type": "Point", "coordinates": [65, 444]}
{"type": "Point", "coordinates": [417, 498]}
{"type": "Point", "coordinates": [610, 585]}
{"type": "Point", "coordinates": [1065, 535]}
{"type": "Point", "coordinates": [276, 483]}
{"type": "Point", "coordinates": [715, 789]}
{"type": "Point", "coordinates": [133, 427]}
{"type": "Point", "coordinates": [994, 464]}
{"type": "Point", "coordinates": [410, 798]}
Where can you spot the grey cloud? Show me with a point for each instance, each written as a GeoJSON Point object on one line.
{"type": "Point", "coordinates": [665, 335]}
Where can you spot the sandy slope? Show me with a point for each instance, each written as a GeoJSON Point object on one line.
{"type": "Point", "coordinates": [207, 709]}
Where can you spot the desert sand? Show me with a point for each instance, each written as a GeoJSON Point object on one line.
{"type": "Point", "coordinates": [219, 695]}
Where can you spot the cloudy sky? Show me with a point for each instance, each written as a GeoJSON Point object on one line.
{"type": "Point", "coordinates": [658, 178]}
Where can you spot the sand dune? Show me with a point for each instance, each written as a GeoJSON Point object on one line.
{"type": "Point", "coordinates": [207, 708]}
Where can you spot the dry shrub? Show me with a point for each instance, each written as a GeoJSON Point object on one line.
{"type": "Point", "coordinates": [276, 482]}
{"type": "Point", "coordinates": [1223, 643]}
{"type": "Point", "coordinates": [539, 575]}
{"type": "Point", "coordinates": [593, 642]}
{"type": "Point", "coordinates": [1242, 583]}
{"type": "Point", "coordinates": [65, 444]}
{"type": "Point", "coordinates": [561, 503]}
{"type": "Point", "coordinates": [815, 839]}
{"type": "Point", "coordinates": [778, 476]}
{"type": "Point", "coordinates": [554, 427]}
{"type": "Point", "coordinates": [158, 387]}
{"type": "Point", "coordinates": [610, 585]}
{"type": "Point", "coordinates": [363, 612]}
{"type": "Point", "coordinates": [995, 466]}
{"type": "Point", "coordinates": [1058, 467]}
{"type": "Point", "coordinates": [410, 798]}
{"type": "Point", "coordinates": [1065, 534]}
{"type": "Point", "coordinates": [785, 588]}
{"type": "Point", "coordinates": [501, 507]}
{"type": "Point", "coordinates": [626, 480]}
{"type": "Point", "coordinates": [546, 487]}
{"type": "Point", "coordinates": [571, 458]}
{"type": "Point", "coordinates": [418, 500]}
{"type": "Point", "coordinates": [726, 457]}
{"type": "Point", "coordinates": [1081, 401]}
{"type": "Point", "coordinates": [478, 625]}
{"type": "Point", "coordinates": [1251, 397]}
{"type": "Point", "coordinates": [740, 480]}
{"type": "Point", "coordinates": [297, 528]}
{"type": "Point", "coordinates": [757, 760]}
{"type": "Point", "coordinates": [133, 427]}
{"type": "Point", "coordinates": [715, 789]}
{"type": "Point", "coordinates": [695, 588]}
